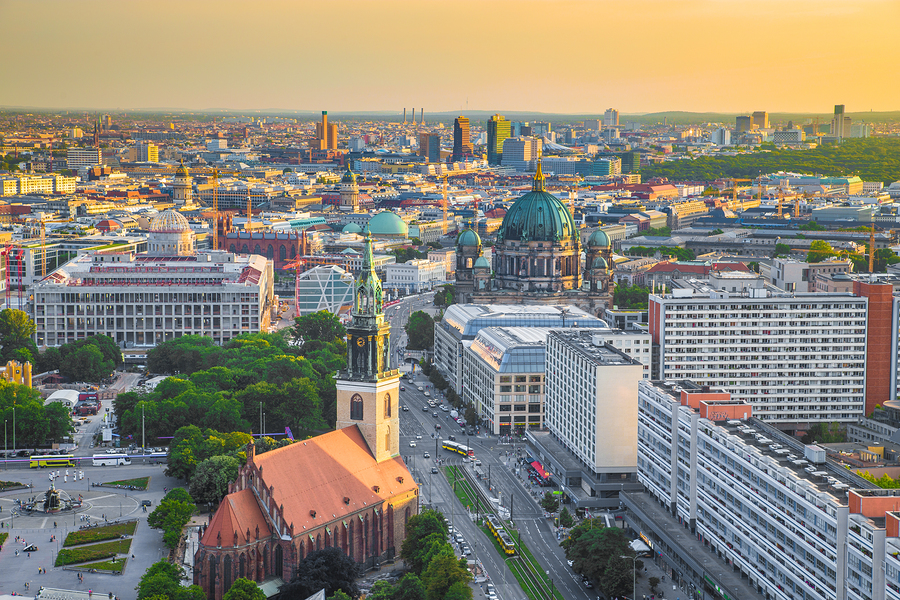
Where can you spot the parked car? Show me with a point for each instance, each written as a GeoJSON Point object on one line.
{"type": "Point", "coordinates": [146, 503]}
{"type": "Point", "coordinates": [412, 444]}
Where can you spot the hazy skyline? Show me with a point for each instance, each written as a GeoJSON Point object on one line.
{"type": "Point", "coordinates": [556, 56]}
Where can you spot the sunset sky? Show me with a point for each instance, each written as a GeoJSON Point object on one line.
{"type": "Point", "coordinates": [559, 56]}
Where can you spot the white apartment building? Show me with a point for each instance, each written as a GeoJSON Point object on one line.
{"type": "Point", "coordinates": [591, 401]}
{"type": "Point", "coordinates": [77, 158]}
{"type": "Point", "coordinates": [415, 275]}
{"type": "Point", "coordinates": [37, 184]}
{"type": "Point", "coordinates": [522, 153]}
{"type": "Point", "coordinates": [796, 358]}
{"type": "Point", "coordinates": [148, 298]}
{"type": "Point", "coordinates": [758, 500]}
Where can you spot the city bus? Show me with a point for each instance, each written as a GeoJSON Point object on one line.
{"type": "Point", "coordinates": [458, 448]}
{"type": "Point", "coordinates": [52, 460]}
{"type": "Point", "coordinates": [110, 460]}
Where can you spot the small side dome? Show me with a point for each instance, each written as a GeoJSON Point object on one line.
{"type": "Point", "coordinates": [352, 228]}
{"type": "Point", "coordinates": [181, 171]}
{"type": "Point", "coordinates": [469, 237]}
{"type": "Point", "coordinates": [598, 239]}
{"type": "Point", "coordinates": [600, 263]}
{"type": "Point", "coordinates": [482, 263]}
{"type": "Point", "coordinates": [387, 223]}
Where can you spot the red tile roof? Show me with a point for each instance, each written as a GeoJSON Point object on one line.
{"type": "Point", "coordinates": [334, 475]}
{"type": "Point", "coordinates": [239, 512]}
{"type": "Point", "coordinates": [669, 267]}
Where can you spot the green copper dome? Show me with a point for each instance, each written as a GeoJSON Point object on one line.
{"type": "Point", "coordinates": [482, 263]}
{"type": "Point", "coordinates": [599, 239]}
{"type": "Point", "coordinates": [600, 263]}
{"type": "Point", "coordinates": [469, 237]}
{"type": "Point", "coordinates": [387, 223]}
{"type": "Point", "coordinates": [538, 216]}
{"type": "Point", "coordinates": [348, 177]}
{"type": "Point", "coordinates": [352, 228]}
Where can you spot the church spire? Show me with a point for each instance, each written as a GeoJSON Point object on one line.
{"type": "Point", "coordinates": [368, 303]}
{"type": "Point", "coordinates": [538, 185]}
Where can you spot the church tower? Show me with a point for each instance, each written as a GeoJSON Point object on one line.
{"type": "Point", "coordinates": [349, 192]}
{"type": "Point", "coordinates": [182, 190]}
{"type": "Point", "coordinates": [368, 390]}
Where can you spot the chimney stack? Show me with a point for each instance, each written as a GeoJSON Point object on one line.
{"type": "Point", "coordinates": [404, 116]}
{"type": "Point", "coordinates": [422, 116]}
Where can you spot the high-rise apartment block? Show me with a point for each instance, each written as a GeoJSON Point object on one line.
{"type": "Point", "coordinates": [720, 136]}
{"type": "Point", "coordinates": [841, 123]}
{"type": "Point", "coordinates": [611, 118]}
{"type": "Point", "coordinates": [147, 152]}
{"type": "Point", "coordinates": [462, 141]}
{"type": "Point", "coordinates": [522, 153]}
{"type": "Point", "coordinates": [498, 129]}
{"type": "Point", "coordinates": [77, 158]}
{"type": "Point", "coordinates": [797, 358]}
{"type": "Point", "coordinates": [326, 134]}
{"type": "Point", "coordinates": [761, 119]}
{"type": "Point", "coordinates": [592, 124]}
{"type": "Point", "coordinates": [430, 147]}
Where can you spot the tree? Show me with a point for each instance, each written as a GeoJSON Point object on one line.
{"type": "Point", "coordinates": [419, 531]}
{"type": "Point", "coordinates": [329, 569]}
{"type": "Point", "coordinates": [595, 552]}
{"type": "Point", "coordinates": [565, 518]}
{"type": "Point", "coordinates": [420, 329]}
{"type": "Point", "coordinates": [549, 502]}
{"type": "Point", "coordinates": [819, 250]}
{"type": "Point", "coordinates": [471, 415]}
{"type": "Point", "coordinates": [171, 515]}
{"type": "Point", "coordinates": [631, 296]}
{"type": "Point", "coordinates": [339, 595]}
{"type": "Point", "coordinates": [410, 587]}
{"type": "Point", "coordinates": [442, 572]}
{"type": "Point", "coordinates": [825, 433]}
{"type": "Point", "coordinates": [86, 364]}
{"type": "Point", "coordinates": [459, 591]}
{"type": "Point", "coordinates": [322, 325]}
{"type": "Point", "coordinates": [781, 250]}
{"type": "Point", "coordinates": [211, 478]}
{"type": "Point", "coordinates": [162, 581]}
{"type": "Point", "coordinates": [445, 295]}
{"type": "Point", "coordinates": [244, 589]}
{"type": "Point", "coordinates": [653, 581]}
{"type": "Point", "coordinates": [16, 331]}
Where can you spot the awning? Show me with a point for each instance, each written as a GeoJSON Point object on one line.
{"type": "Point", "coordinates": [540, 469]}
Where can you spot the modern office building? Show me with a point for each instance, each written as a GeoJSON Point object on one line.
{"type": "Point", "coordinates": [840, 124]}
{"type": "Point", "coordinates": [797, 358]}
{"type": "Point", "coordinates": [462, 141]}
{"type": "Point", "coordinates": [323, 288]}
{"type": "Point", "coordinates": [592, 124]}
{"type": "Point", "coordinates": [462, 322]}
{"type": "Point", "coordinates": [611, 118]}
{"type": "Point", "coordinates": [147, 152]}
{"type": "Point", "coordinates": [761, 119]}
{"type": "Point", "coordinates": [522, 153]}
{"type": "Point", "coordinates": [415, 276]}
{"type": "Point", "coordinates": [326, 134]}
{"type": "Point", "coordinates": [743, 124]}
{"type": "Point", "coordinates": [77, 158]}
{"type": "Point", "coordinates": [148, 298]}
{"type": "Point", "coordinates": [720, 137]}
{"type": "Point", "coordinates": [430, 147]}
{"type": "Point", "coordinates": [498, 129]}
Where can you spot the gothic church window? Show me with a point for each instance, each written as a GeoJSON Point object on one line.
{"type": "Point", "coordinates": [356, 407]}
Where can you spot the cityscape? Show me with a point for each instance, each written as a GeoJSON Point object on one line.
{"type": "Point", "coordinates": [357, 300]}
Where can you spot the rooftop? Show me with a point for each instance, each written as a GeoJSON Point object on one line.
{"type": "Point", "coordinates": [592, 345]}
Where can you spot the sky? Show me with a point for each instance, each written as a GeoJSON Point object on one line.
{"type": "Point", "coordinates": [556, 56]}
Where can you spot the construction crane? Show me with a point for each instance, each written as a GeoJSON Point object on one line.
{"type": "Point", "coordinates": [872, 249]}
{"type": "Point", "coordinates": [444, 207]}
{"type": "Point", "coordinates": [796, 207]}
{"type": "Point", "coordinates": [734, 192]}
{"type": "Point", "coordinates": [215, 208]}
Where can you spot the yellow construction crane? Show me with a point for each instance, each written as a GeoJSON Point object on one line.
{"type": "Point", "coordinates": [734, 192]}
{"type": "Point", "coordinates": [215, 208]}
{"type": "Point", "coordinates": [796, 207]}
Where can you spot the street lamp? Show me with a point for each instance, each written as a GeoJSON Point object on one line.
{"type": "Point", "coordinates": [633, 574]}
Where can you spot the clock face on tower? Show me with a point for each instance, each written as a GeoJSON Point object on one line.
{"type": "Point", "coordinates": [360, 342]}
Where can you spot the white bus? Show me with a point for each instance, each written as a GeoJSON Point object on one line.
{"type": "Point", "coordinates": [114, 460]}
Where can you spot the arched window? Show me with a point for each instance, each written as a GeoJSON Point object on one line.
{"type": "Point", "coordinates": [270, 252]}
{"type": "Point", "coordinates": [231, 248]}
{"type": "Point", "coordinates": [242, 565]}
{"type": "Point", "coordinates": [293, 251]}
{"type": "Point", "coordinates": [227, 572]}
{"type": "Point", "coordinates": [212, 572]}
{"type": "Point", "coordinates": [282, 253]}
{"type": "Point", "coordinates": [356, 407]}
{"type": "Point", "coordinates": [387, 405]}
{"type": "Point", "coordinates": [279, 561]}
{"type": "Point", "coordinates": [257, 250]}
{"type": "Point", "coordinates": [318, 541]}
{"type": "Point", "coordinates": [245, 249]}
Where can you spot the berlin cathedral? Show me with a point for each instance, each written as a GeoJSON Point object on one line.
{"type": "Point", "coordinates": [537, 258]}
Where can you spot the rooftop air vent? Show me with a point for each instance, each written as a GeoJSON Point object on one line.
{"type": "Point", "coordinates": [312, 513]}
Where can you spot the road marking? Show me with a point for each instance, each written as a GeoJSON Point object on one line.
{"type": "Point", "coordinates": [101, 497]}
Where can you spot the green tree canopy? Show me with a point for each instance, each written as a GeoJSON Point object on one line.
{"type": "Point", "coordinates": [211, 478]}
{"type": "Point", "coordinates": [162, 581]}
{"type": "Point", "coordinates": [419, 531]}
{"type": "Point", "coordinates": [819, 250]}
{"type": "Point", "coordinates": [595, 552]}
{"type": "Point", "coordinates": [323, 326]}
{"type": "Point", "coordinates": [244, 589]}
{"type": "Point", "coordinates": [420, 329]}
{"type": "Point", "coordinates": [329, 569]}
{"type": "Point", "coordinates": [171, 515]}
{"type": "Point", "coordinates": [631, 296]}
{"type": "Point", "coordinates": [16, 331]}
{"type": "Point", "coordinates": [445, 295]}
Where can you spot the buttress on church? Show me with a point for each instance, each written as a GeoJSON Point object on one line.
{"type": "Point", "coordinates": [347, 489]}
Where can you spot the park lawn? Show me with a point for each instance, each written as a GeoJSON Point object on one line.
{"type": "Point", "coordinates": [3, 537]}
{"type": "Point", "coordinates": [116, 565]}
{"type": "Point", "coordinates": [140, 483]}
{"type": "Point", "coordinates": [9, 484]}
{"type": "Point", "coordinates": [466, 498]}
{"type": "Point", "coordinates": [89, 553]}
{"type": "Point", "coordinates": [99, 534]}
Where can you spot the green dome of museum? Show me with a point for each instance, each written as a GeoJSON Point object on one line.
{"type": "Point", "coordinates": [352, 228]}
{"type": "Point", "coordinates": [388, 224]}
{"type": "Point", "coordinates": [468, 237]}
{"type": "Point", "coordinates": [538, 216]}
{"type": "Point", "coordinates": [598, 239]}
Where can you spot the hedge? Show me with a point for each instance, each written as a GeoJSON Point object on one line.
{"type": "Point", "coordinates": [89, 553]}
{"type": "Point", "coordinates": [99, 534]}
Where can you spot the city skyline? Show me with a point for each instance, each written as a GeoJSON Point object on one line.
{"type": "Point", "coordinates": [646, 56]}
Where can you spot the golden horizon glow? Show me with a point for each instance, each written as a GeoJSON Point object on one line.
{"type": "Point", "coordinates": [556, 56]}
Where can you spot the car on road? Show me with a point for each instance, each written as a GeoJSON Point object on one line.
{"type": "Point", "coordinates": [452, 438]}
{"type": "Point", "coordinates": [434, 415]}
{"type": "Point", "coordinates": [460, 539]}
{"type": "Point", "coordinates": [427, 455]}
{"type": "Point", "coordinates": [571, 562]}
{"type": "Point", "coordinates": [146, 503]}
{"type": "Point", "coordinates": [587, 583]}
{"type": "Point", "coordinates": [437, 425]}
{"type": "Point", "coordinates": [434, 469]}
{"type": "Point", "coordinates": [412, 444]}
{"type": "Point", "coordinates": [418, 437]}
{"type": "Point", "coordinates": [404, 408]}
{"type": "Point", "coordinates": [421, 389]}
{"type": "Point", "coordinates": [427, 395]}
{"type": "Point", "coordinates": [402, 388]}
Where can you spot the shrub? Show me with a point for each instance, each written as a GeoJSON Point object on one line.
{"type": "Point", "coordinates": [140, 483]}
{"type": "Point", "coordinates": [108, 532]}
{"type": "Point", "coordinates": [89, 553]}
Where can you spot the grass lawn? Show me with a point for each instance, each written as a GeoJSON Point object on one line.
{"type": "Point", "coordinates": [8, 484]}
{"type": "Point", "coordinates": [71, 556]}
{"type": "Point", "coordinates": [116, 565]}
{"type": "Point", "coordinates": [140, 483]}
{"type": "Point", "coordinates": [99, 534]}
{"type": "Point", "coordinates": [463, 491]}
{"type": "Point", "coordinates": [3, 537]}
